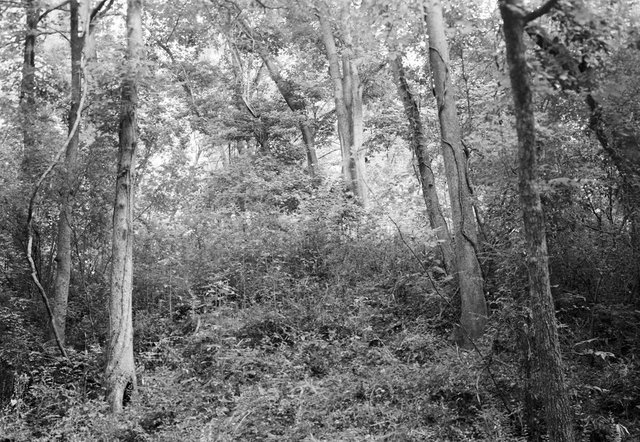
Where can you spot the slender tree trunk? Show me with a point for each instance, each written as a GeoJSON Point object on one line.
{"type": "Point", "coordinates": [63, 255]}
{"type": "Point", "coordinates": [551, 380]}
{"type": "Point", "coordinates": [28, 105]}
{"type": "Point", "coordinates": [29, 164]}
{"type": "Point", "coordinates": [348, 99]}
{"type": "Point", "coordinates": [427, 180]}
{"type": "Point", "coordinates": [120, 371]}
{"type": "Point", "coordinates": [474, 309]}
{"type": "Point", "coordinates": [309, 139]}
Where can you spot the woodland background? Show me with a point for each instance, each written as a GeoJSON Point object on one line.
{"type": "Point", "coordinates": [271, 303]}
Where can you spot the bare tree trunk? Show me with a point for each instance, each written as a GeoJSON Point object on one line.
{"type": "Point", "coordinates": [474, 309]}
{"type": "Point", "coordinates": [551, 377]}
{"type": "Point", "coordinates": [63, 255]}
{"type": "Point", "coordinates": [352, 89]}
{"type": "Point", "coordinates": [427, 180]}
{"type": "Point", "coordinates": [120, 372]}
{"type": "Point", "coordinates": [348, 99]}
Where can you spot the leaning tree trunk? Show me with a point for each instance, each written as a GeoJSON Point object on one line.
{"type": "Point", "coordinates": [551, 380]}
{"type": "Point", "coordinates": [120, 372]}
{"type": "Point", "coordinates": [288, 91]}
{"type": "Point", "coordinates": [63, 255]}
{"type": "Point", "coordinates": [427, 180]}
{"type": "Point", "coordinates": [297, 105]}
{"type": "Point", "coordinates": [473, 305]}
{"type": "Point", "coordinates": [348, 99]}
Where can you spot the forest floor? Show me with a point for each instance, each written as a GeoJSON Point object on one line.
{"type": "Point", "coordinates": [367, 364]}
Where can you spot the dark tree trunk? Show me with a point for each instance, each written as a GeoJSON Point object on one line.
{"type": "Point", "coordinates": [550, 379]}
{"type": "Point", "coordinates": [28, 107]}
{"type": "Point", "coordinates": [427, 179]}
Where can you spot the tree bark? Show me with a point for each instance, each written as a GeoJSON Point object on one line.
{"type": "Point", "coordinates": [28, 106]}
{"type": "Point", "coordinates": [550, 377]}
{"type": "Point", "coordinates": [427, 180]}
{"type": "Point", "coordinates": [473, 305]}
{"type": "Point", "coordinates": [63, 255]}
{"type": "Point", "coordinates": [348, 100]}
{"type": "Point", "coordinates": [29, 163]}
{"type": "Point", "coordinates": [120, 371]}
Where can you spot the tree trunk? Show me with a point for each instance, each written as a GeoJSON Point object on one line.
{"type": "Point", "coordinates": [309, 139]}
{"type": "Point", "coordinates": [348, 99]}
{"type": "Point", "coordinates": [28, 106]}
{"type": "Point", "coordinates": [120, 372]}
{"type": "Point", "coordinates": [63, 255]}
{"type": "Point", "coordinates": [427, 180]}
{"type": "Point", "coordinates": [474, 309]}
{"type": "Point", "coordinates": [29, 163]}
{"type": "Point", "coordinates": [550, 378]}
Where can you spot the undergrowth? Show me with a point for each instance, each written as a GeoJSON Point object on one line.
{"type": "Point", "coordinates": [321, 334]}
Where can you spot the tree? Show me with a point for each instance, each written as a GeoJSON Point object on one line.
{"type": "Point", "coordinates": [427, 179]}
{"type": "Point", "coordinates": [79, 13]}
{"type": "Point", "coordinates": [585, 59]}
{"type": "Point", "coordinates": [287, 89]}
{"type": "Point", "coordinates": [614, 121]}
{"type": "Point", "coordinates": [28, 88]}
{"type": "Point", "coordinates": [470, 280]}
{"type": "Point", "coordinates": [63, 255]}
{"type": "Point", "coordinates": [120, 371]}
{"type": "Point", "coordinates": [348, 100]}
{"type": "Point", "coordinates": [551, 379]}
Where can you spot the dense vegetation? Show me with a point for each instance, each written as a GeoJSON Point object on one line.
{"type": "Point", "coordinates": [285, 287]}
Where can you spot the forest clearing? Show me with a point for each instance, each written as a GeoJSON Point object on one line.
{"type": "Point", "coordinates": [334, 220]}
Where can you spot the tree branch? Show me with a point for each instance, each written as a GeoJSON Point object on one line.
{"type": "Point", "coordinates": [265, 6]}
{"type": "Point", "coordinates": [45, 13]}
{"type": "Point", "coordinates": [542, 10]}
{"type": "Point", "coordinates": [98, 10]}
